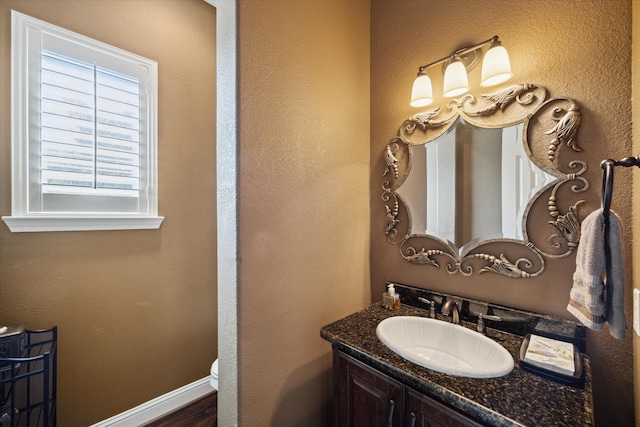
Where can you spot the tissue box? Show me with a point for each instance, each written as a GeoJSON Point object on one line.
{"type": "Point", "coordinates": [552, 359]}
{"type": "Point", "coordinates": [550, 354]}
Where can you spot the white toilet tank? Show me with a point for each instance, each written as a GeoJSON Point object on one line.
{"type": "Point", "coordinates": [214, 375]}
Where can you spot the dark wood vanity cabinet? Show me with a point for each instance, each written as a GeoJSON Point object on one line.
{"type": "Point", "coordinates": [423, 411]}
{"type": "Point", "coordinates": [364, 397]}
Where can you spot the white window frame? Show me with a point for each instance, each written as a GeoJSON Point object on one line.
{"type": "Point", "coordinates": [24, 217]}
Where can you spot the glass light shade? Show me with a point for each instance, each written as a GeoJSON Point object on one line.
{"type": "Point", "coordinates": [455, 80]}
{"type": "Point", "coordinates": [496, 67]}
{"type": "Point", "coordinates": [422, 92]}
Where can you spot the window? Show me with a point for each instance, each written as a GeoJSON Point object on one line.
{"type": "Point", "coordinates": [84, 133]}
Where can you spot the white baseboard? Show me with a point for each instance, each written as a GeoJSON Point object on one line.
{"type": "Point", "coordinates": [159, 406]}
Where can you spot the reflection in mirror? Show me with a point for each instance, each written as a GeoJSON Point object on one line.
{"type": "Point", "coordinates": [465, 176]}
{"type": "Point", "coordinates": [471, 184]}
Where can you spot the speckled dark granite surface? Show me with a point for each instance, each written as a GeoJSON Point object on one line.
{"type": "Point", "coordinates": [517, 399]}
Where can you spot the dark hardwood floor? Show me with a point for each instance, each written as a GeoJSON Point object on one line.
{"type": "Point", "coordinates": [200, 413]}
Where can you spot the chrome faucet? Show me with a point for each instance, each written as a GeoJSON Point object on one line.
{"type": "Point", "coordinates": [450, 306]}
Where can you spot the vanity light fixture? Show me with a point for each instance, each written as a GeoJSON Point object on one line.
{"type": "Point", "coordinates": [496, 69]}
{"type": "Point", "coordinates": [455, 79]}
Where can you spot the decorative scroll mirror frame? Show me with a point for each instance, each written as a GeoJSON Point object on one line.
{"type": "Point", "coordinates": [549, 125]}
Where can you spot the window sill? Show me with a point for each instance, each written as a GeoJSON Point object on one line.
{"type": "Point", "coordinates": [19, 224]}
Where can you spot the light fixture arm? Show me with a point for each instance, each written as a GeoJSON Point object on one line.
{"type": "Point", "coordinates": [457, 54]}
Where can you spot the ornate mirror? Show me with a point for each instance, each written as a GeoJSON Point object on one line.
{"type": "Point", "coordinates": [468, 182]}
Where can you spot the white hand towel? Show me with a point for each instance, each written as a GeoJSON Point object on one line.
{"type": "Point", "coordinates": [589, 301]}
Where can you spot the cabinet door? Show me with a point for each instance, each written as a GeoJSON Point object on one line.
{"type": "Point", "coordinates": [365, 397]}
{"type": "Point", "coordinates": [422, 411]}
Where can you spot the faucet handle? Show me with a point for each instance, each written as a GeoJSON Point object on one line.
{"type": "Point", "coordinates": [432, 306]}
{"type": "Point", "coordinates": [480, 326]}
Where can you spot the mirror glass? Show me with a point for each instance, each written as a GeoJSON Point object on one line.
{"type": "Point", "coordinates": [486, 183]}
{"type": "Point", "coordinates": [471, 184]}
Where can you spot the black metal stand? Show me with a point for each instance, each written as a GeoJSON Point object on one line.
{"type": "Point", "coordinates": [28, 384]}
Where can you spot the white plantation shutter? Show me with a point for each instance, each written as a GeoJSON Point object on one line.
{"type": "Point", "coordinates": [86, 139]}
{"type": "Point", "coordinates": [90, 129]}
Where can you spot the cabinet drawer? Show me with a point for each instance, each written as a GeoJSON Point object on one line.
{"type": "Point", "coordinates": [423, 411]}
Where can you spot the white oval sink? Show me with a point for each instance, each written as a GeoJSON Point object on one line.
{"type": "Point", "coordinates": [445, 347]}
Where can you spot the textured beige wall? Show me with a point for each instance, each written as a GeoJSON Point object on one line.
{"type": "Point", "coordinates": [136, 309]}
{"type": "Point", "coordinates": [636, 198]}
{"type": "Point", "coordinates": [304, 199]}
{"type": "Point", "coordinates": [576, 49]}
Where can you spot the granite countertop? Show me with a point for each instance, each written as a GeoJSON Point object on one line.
{"type": "Point", "coordinates": [517, 399]}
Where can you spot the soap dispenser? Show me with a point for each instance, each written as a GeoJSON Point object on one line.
{"type": "Point", "coordinates": [390, 299]}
